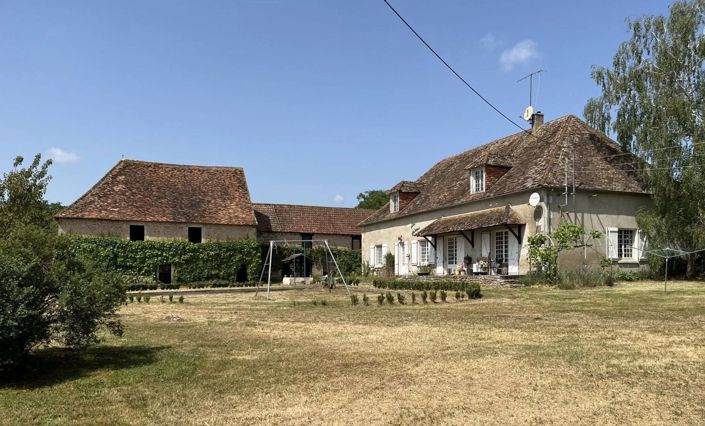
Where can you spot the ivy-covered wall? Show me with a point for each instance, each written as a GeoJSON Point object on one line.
{"type": "Point", "coordinates": [139, 260]}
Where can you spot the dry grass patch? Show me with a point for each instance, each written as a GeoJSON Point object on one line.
{"type": "Point", "coordinates": [628, 354]}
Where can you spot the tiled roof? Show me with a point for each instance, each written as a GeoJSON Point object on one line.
{"type": "Point", "coordinates": [406, 186]}
{"type": "Point", "coordinates": [154, 192]}
{"type": "Point", "coordinates": [476, 220]}
{"type": "Point", "coordinates": [535, 160]}
{"type": "Point", "coordinates": [310, 219]}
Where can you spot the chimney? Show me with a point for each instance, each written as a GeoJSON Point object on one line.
{"type": "Point", "coordinates": [536, 120]}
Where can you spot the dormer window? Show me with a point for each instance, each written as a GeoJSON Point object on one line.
{"type": "Point", "coordinates": [477, 180]}
{"type": "Point", "coordinates": [394, 202]}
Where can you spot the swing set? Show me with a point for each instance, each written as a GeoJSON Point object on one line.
{"type": "Point", "coordinates": [307, 245]}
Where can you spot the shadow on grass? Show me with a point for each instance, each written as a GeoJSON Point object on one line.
{"type": "Point", "coordinates": [51, 366]}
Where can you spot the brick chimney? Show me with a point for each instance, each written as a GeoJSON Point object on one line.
{"type": "Point", "coordinates": [536, 120]}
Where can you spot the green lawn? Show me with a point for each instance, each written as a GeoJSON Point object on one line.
{"type": "Point", "coordinates": [622, 355]}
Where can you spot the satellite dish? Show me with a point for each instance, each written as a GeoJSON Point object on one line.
{"type": "Point", "coordinates": [528, 112]}
{"type": "Point", "coordinates": [534, 199]}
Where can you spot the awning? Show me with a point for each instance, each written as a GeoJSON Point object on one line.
{"type": "Point", "coordinates": [466, 222]}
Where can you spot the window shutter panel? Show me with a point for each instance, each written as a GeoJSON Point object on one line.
{"type": "Point", "coordinates": [372, 261]}
{"type": "Point", "coordinates": [431, 253]}
{"type": "Point", "coordinates": [414, 252]}
{"type": "Point", "coordinates": [384, 255]}
{"type": "Point", "coordinates": [612, 243]}
{"type": "Point", "coordinates": [643, 244]}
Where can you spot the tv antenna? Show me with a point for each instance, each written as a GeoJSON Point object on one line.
{"type": "Point", "coordinates": [531, 84]}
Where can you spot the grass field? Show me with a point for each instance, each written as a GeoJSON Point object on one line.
{"type": "Point", "coordinates": [622, 355]}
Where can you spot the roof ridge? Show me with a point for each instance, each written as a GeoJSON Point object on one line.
{"type": "Point", "coordinates": [254, 204]}
{"type": "Point", "coordinates": [192, 166]}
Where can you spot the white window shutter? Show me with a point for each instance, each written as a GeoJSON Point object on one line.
{"type": "Point", "coordinates": [414, 252]}
{"type": "Point", "coordinates": [643, 244]}
{"type": "Point", "coordinates": [612, 252]}
{"type": "Point", "coordinates": [396, 258]}
{"type": "Point", "coordinates": [372, 260]}
{"type": "Point", "coordinates": [431, 253]}
{"type": "Point", "coordinates": [384, 254]}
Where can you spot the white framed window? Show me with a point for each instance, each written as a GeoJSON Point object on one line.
{"type": "Point", "coordinates": [452, 250]}
{"type": "Point", "coordinates": [625, 243]}
{"type": "Point", "coordinates": [501, 246]}
{"type": "Point", "coordinates": [477, 180]}
{"type": "Point", "coordinates": [404, 253]}
{"type": "Point", "coordinates": [379, 255]}
{"type": "Point", "coordinates": [394, 202]}
{"type": "Point", "coordinates": [423, 252]}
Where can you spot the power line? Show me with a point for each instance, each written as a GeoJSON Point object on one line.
{"type": "Point", "coordinates": [451, 68]}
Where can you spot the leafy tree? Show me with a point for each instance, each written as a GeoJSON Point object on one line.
{"type": "Point", "coordinates": [373, 199]}
{"type": "Point", "coordinates": [46, 294]}
{"type": "Point", "coordinates": [544, 250]}
{"type": "Point", "coordinates": [653, 99]}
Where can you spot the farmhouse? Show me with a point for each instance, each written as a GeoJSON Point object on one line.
{"type": "Point", "coordinates": [140, 200]}
{"type": "Point", "coordinates": [471, 213]}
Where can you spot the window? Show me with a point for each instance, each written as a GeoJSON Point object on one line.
{"type": "Point", "coordinates": [404, 252]}
{"type": "Point", "coordinates": [501, 247]}
{"type": "Point", "coordinates": [195, 234]}
{"type": "Point", "coordinates": [625, 243]}
{"type": "Point", "coordinates": [423, 252]}
{"type": "Point", "coordinates": [136, 232]}
{"type": "Point", "coordinates": [356, 242]}
{"type": "Point", "coordinates": [394, 202]}
{"type": "Point", "coordinates": [477, 180]}
{"type": "Point", "coordinates": [379, 257]}
{"type": "Point", "coordinates": [306, 241]}
{"type": "Point", "coordinates": [452, 250]}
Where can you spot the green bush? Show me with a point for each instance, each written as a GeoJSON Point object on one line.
{"type": "Point", "coordinates": [171, 297]}
{"type": "Point", "coordinates": [181, 299]}
{"type": "Point", "coordinates": [390, 298]}
{"type": "Point", "coordinates": [433, 295]}
{"type": "Point", "coordinates": [354, 299]}
{"type": "Point", "coordinates": [401, 298]}
{"type": "Point", "coordinates": [457, 296]}
{"type": "Point", "coordinates": [473, 291]}
{"type": "Point", "coordinates": [211, 260]}
{"type": "Point", "coordinates": [365, 299]}
{"type": "Point", "coordinates": [424, 297]}
{"type": "Point", "coordinates": [380, 299]}
{"type": "Point", "coordinates": [413, 298]}
{"type": "Point", "coordinates": [444, 295]}
{"type": "Point", "coordinates": [146, 298]}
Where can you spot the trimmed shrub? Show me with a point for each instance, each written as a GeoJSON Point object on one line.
{"type": "Point", "coordinates": [413, 298]}
{"type": "Point", "coordinates": [401, 298]}
{"type": "Point", "coordinates": [181, 299]}
{"type": "Point", "coordinates": [473, 291]}
{"type": "Point", "coordinates": [146, 298]}
{"type": "Point", "coordinates": [380, 299]}
{"type": "Point", "coordinates": [354, 299]}
{"type": "Point", "coordinates": [390, 298]}
{"type": "Point", "coordinates": [457, 296]}
{"type": "Point", "coordinates": [444, 295]}
{"type": "Point", "coordinates": [433, 295]}
{"type": "Point", "coordinates": [425, 285]}
{"type": "Point", "coordinates": [365, 299]}
{"type": "Point", "coordinates": [424, 297]}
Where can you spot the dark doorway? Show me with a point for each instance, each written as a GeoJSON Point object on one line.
{"type": "Point", "coordinates": [195, 234]}
{"type": "Point", "coordinates": [136, 232]}
{"type": "Point", "coordinates": [356, 242]}
{"type": "Point", "coordinates": [241, 276]}
{"type": "Point", "coordinates": [164, 273]}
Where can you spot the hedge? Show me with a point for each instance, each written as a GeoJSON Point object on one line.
{"type": "Point", "coordinates": [138, 261]}
{"type": "Point", "coordinates": [472, 289]}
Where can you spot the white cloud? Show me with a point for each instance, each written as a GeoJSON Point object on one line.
{"type": "Point", "coordinates": [489, 42]}
{"type": "Point", "coordinates": [338, 199]}
{"type": "Point", "coordinates": [61, 156]}
{"type": "Point", "coordinates": [520, 53]}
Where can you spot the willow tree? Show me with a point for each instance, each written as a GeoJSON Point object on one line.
{"type": "Point", "coordinates": [653, 102]}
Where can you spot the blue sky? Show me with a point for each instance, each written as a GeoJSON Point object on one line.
{"type": "Point", "coordinates": [317, 100]}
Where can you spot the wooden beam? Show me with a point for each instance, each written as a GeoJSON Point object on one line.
{"type": "Point", "coordinates": [471, 241]}
{"type": "Point", "coordinates": [430, 242]}
{"type": "Point", "coordinates": [517, 236]}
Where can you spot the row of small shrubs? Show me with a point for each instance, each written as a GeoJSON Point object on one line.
{"type": "Point", "coordinates": [434, 296]}
{"type": "Point", "coordinates": [198, 284]}
{"type": "Point", "coordinates": [146, 298]}
{"type": "Point", "coordinates": [423, 285]}
{"type": "Point", "coordinates": [583, 279]}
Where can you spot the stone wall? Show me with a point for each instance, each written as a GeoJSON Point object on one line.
{"type": "Point", "coordinates": [154, 230]}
